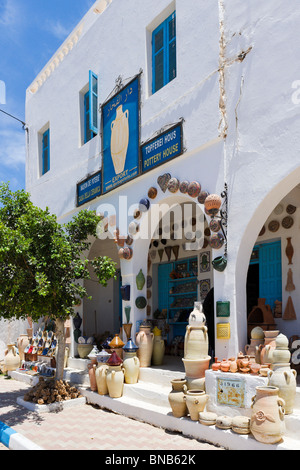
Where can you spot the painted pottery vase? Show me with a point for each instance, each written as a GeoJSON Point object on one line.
{"type": "Point", "coordinates": [195, 368]}
{"type": "Point", "coordinates": [131, 367]}
{"type": "Point", "coordinates": [22, 343]}
{"type": "Point", "coordinates": [194, 189]}
{"type": "Point", "coordinates": [284, 378]}
{"type": "Point", "coordinates": [102, 357]}
{"type": "Point", "coordinates": [177, 398]}
{"type": "Point", "coordinates": [144, 341]}
{"type": "Point", "coordinates": [289, 250]}
{"type": "Point", "coordinates": [115, 381]}
{"type": "Point", "coordinates": [77, 320]}
{"type": "Point", "coordinates": [100, 374]}
{"type": "Point", "coordinates": [195, 401]}
{"type": "Point", "coordinates": [119, 139]}
{"type": "Point", "coordinates": [11, 358]}
{"type": "Point", "coordinates": [116, 342]}
{"type": "Point", "coordinates": [158, 348]}
{"type": "Point", "coordinates": [173, 185]}
{"type": "Point", "coordinates": [267, 415]}
{"type": "Point", "coordinates": [92, 377]}
{"type": "Point", "coordinates": [140, 280]}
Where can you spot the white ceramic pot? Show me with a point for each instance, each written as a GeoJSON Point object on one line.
{"type": "Point", "coordinates": [115, 381]}
{"type": "Point", "coordinates": [196, 342]}
{"type": "Point", "coordinates": [101, 379]}
{"type": "Point", "coordinates": [283, 377]}
{"type": "Point", "coordinates": [131, 366]}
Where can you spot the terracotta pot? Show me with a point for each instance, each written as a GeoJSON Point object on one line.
{"type": "Point", "coordinates": [233, 366]}
{"type": "Point", "coordinates": [216, 365]}
{"type": "Point", "coordinates": [195, 401]}
{"type": "Point", "coordinates": [11, 358]}
{"type": "Point", "coordinates": [144, 341]}
{"type": "Point", "coordinates": [267, 415]}
{"type": "Point", "coordinates": [100, 374]}
{"type": "Point", "coordinates": [225, 365]}
{"type": "Point", "coordinates": [284, 378]}
{"type": "Point", "coordinates": [22, 343]}
{"type": "Point", "coordinates": [92, 377]}
{"type": "Point", "coordinates": [195, 368]}
{"type": "Point", "coordinates": [115, 381]}
{"type": "Point", "coordinates": [131, 366]}
{"type": "Point", "coordinates": [177, 398]}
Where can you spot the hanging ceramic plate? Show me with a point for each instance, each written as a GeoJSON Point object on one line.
{"type": "Point", "coordinates": [173, 185]}
{"type": "Point", "coordinates": [262, 231]}
{"type": "Point", "coordinates": [278, 209]}
{"type": "Point", "coordinates": [291, 209]}
{"type": "Point", "coordinates": [273, 226]}
{"type": "Point", "coordinates": [149, 281]}
{"type": "Point", "coordinates": [287, 222]}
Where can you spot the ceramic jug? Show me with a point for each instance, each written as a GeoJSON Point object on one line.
{"type": "Point", "coordinates": [196, 342]}
{"type": "Point", "coordinates": [119, 139]}
{"type": "Point", "coordinates": [144, 341]}
{"type": "Point", "coordinates": [267, 415]}
{"type": "Point", "coordinates": [284, 378]}
{"type": "Point", "coordinates": [195, 401]}
{"type": "Point", "coordinates": [131, 366]}
{"type": "Point", "coordinates": [100, 374]}
{"type": "Point", "coordinates": [115, 381]}
{"type": "Point", "coordinates": [22, 343]}
{"type": "Point", "coordinates": [158, 348]}
{"type": "Point", "coordinates": [92, 376]}
{"type": "Point", "coordinates": [197, 317]}
{"type": "Point", "coordinates": [177, 398]}
{"type": "Point", "coordinates": [12, 358]}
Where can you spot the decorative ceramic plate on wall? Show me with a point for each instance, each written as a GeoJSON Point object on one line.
{"type": "Point", "coordinates": [273, 226]}
{"type": "Point", "coordinates": [287, 222]}
{"type": "Point", "coordinates": [291, 209]}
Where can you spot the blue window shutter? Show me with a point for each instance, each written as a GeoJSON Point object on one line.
{"type": "Point", "coordinates": [93, 102]}
{"type": "Point", "coordinates": [46, 152]}
{"type": "Point", "coordinates": [164, 53]}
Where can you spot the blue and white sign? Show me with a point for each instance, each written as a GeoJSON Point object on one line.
{"type": "Point", "coordinates": [89, 189]}
{"type": "Point", "coordinates": [159, 150]}
{"type": "Point", "coordinates": [121, 134]}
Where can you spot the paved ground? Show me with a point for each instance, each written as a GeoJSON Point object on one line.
{"type": "Point", "coordinates": [86, 427]}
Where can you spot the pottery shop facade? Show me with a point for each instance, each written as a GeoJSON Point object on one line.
{"type": "Point", "coordinates": [140, 120]}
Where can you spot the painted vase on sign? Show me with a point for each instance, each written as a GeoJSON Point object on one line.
{"type": "Point", "coordinates": [119, 139]}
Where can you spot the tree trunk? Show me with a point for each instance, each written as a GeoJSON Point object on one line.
{"type": "Point", "coordinates": [60, 336]}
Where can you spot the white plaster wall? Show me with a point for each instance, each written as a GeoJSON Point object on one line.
{"type": "Point", "coordinates": [9, 333]}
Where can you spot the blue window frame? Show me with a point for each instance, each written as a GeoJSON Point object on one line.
{"type": "Point", "coordinates": [46, 152]}
{"type": "Point", "coordinates": [164, 53]}
{"type": "Point", "coordinates": [91, 108]}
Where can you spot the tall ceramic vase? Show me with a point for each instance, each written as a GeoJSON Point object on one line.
{"type": "Point", "coordinates": [11, 359]}
{"type": "Point", "coordinates": [158, 348]}
{"type": "Point", "coordinates": [131, 367]}
{"type": "Point", "coordinates": [115, 381]}
{"type": "Point", "coordinates": [119, 139]}
{"type": "Point", "coordinates": [144, 341]}
{"type": "Point", "coordinates": [267, 415]}
{"type": "Point", "coordinates": [100, 374]}
{"type": "Point", "coordinates": [177, 398]}
{"type": "Point", "coordinates": [284, 378]}
{"type": "Point", "coordinates": [22, 343]}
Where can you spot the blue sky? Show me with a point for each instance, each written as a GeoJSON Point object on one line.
{"type": "Point", "coordinates": [30, 33]}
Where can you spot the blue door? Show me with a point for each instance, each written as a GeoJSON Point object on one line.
{"type": "Point", "coordinates": [270, 278]}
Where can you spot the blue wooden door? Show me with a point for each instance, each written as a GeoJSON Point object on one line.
{"type": "Point", "coordinates": [164, 271]}
{"type": "Point", "coordinates": [270, 278]}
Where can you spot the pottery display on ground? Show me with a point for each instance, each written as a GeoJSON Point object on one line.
{"type": "Point", "coordinates": [100, 375]}
{"type": "Point", "coordinates": [144, 340]}
{"type": "Point", "coordinates": [195, 401]}
{"type": "Point", "coordinates": [177, 398]}
{"type": "Point", "coordinates": [22, 343]}
{"type": "Point", "coordinates": [267, 415]}
{"type": "Point", "coordinates": [11, 359]}
{"type": "Point", "coordinates": [158, 352]}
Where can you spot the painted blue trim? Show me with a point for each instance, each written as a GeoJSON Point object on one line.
{"type": "Point", "coordinates": [46, 148]}
{"type": "Point", "coordinates": [5, 433]}
{"type": "Point", "coordinates": [93, 96]}
{"type": "Point", "coordinates": [164, 26]}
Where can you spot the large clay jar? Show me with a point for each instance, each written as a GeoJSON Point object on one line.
{"type": "Point", "coordinates": [195, 368]}
{"type": "Point", "coordinates": [195, 401]}
{"type": "Point", "coordinates": [177, 398]}
{"type": "Point", "coordinates": [92, 377]}
{"type": "Point", "coordinates": [119, 139]}
{"type": "Point", "coordinates": [267, 415]}
{"type": "Point", "coordinates": [158, 348]}
{"type": "Point", "coordinates": [144, 341]}
{"type": "Point", "coordinates": [284, 378]}
{"type": "Point", "coordinates": [100, 374]}
{"type": "Point", "coordinates": [11, 359]}
{"type": "Point", "coordinates": [196, 342]}
{"type": "Point", "coordinates": [22, 343]}
{"type": "Point", "coordinates": [131, 367]}
{"type": "Point", "coordinates": [115, 381]}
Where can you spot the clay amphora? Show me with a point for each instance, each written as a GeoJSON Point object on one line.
{"type": "Point", "coordinates": [284, 378]}
{"type": "Point", "coordinates": [119, 139]}
{"type": "Point", "coordinates": [177, 398]}
{"type": "Point", "coordinates": [195, 368]}
{"type": "Point", "coordinates": [289, 251]}
{"type": "Point", "coordinates": [100, 374]}
{"type": "Point", "coordinates": [216, 365]}
{"type": "Point", "coordinates": [195, 402]}
{"type": "Point", "coordinates": [267, 415]}
{"type": "Point", "coordinates": [131, 366]}
{"type": "Point", "coordinates": [92, 376]}
{"type": "Point", "coordinates": [195, 342]}
{"type": "Point", "coordinates": [158, 348]}
{"type": "Point", "coordinates": [22, 343]}
{"type": "Point", "coordinates": [144, 341]}
{"type": "Point", "coordinates": [115, 381]}
{"type": "Point", "coordinates": [225, 365]}
{"type": "Point", "coordinates": [12, 358]}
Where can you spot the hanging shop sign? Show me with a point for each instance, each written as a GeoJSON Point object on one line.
{"type": "Point", "coordinates": [89, 189]}
{"type": "Point", "coordinates": [121, 134]}
{"type": "Point", "coordinates": [162, 148]}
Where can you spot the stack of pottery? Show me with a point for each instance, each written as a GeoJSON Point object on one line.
{"type": "Point", "coordinates": [158, 347]}
{"type": "Point", "coordinates": [115, 376]}
{"type": "Point", "coordinates": [266, 350]}
{"type": "Point", "coordinates": [144, 341]}
{"type": "Point", "coordinates": [281, 375]}
{"type": "Point", "coordinates": [267, 415]}
{"type": "Point", "coordinates": [12, 358]}
{"type": "Point", "coordinates": [116, 345]}
{"type": "Point", "coordinates": [131, 362]}
{"type": "Point", "coordinates": [257, 339]}
{"type": "Point", "coordinates": [196, 359]}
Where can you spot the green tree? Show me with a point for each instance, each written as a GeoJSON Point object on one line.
{"type": "Point", "coordinates": [42, 262]}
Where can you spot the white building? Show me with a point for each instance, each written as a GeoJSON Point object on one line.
{"type": "Point", "coordinates": [225, 74]}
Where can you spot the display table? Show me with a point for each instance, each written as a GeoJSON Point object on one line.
{"type": "Point", "coordinates": [231, 394]}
